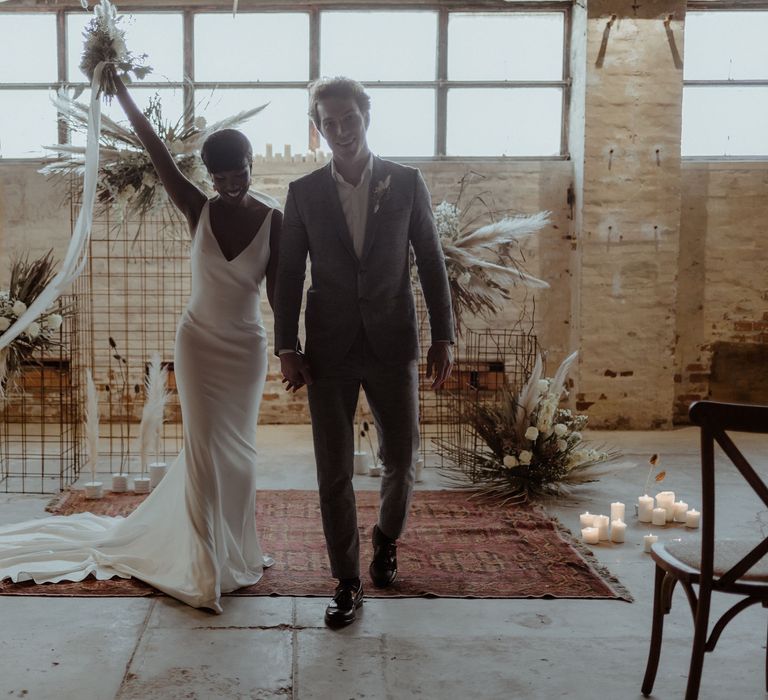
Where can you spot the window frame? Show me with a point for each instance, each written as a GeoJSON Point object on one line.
{"type": "Point", "coordinates": [440, 85]}
{"type": "Point", "coordinates": [708, 6]}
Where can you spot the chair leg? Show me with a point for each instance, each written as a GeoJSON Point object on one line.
{"type": "Point", "coordinates": [657, 628]}
{"type": "Point", "coordinates": [701, 627]}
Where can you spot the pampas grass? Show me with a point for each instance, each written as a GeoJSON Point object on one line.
{"type": "Point", "coordinates": [91, 423]}
{"type": "Point", "coordinates": [152, 414]}
{"type": "Point", "coordinates": [484, 263]}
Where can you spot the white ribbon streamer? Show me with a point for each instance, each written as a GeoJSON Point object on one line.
{"type": "Point", "coordinates": [74, 260]}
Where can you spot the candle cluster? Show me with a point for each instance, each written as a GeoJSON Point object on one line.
{"type": "Point", "coordinates": [665, 509]}
{"type": "Point", "coordinates": [597, 528]}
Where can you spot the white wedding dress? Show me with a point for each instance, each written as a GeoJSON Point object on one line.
{"type": "Point", "coordinates": [194, 537]}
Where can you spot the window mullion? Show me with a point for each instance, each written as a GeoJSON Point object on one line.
{"type": "Point", "coordinates": [441, 95]}
{"type": "Point", "coordinates": [61, 68]}
{"type": "Point", "coordinates": [188, 90]}
{"type": "Point", "coordinates": [313, 138]}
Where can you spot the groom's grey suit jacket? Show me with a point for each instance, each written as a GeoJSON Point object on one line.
{"type": "Point", "coordinates": [374, 291]}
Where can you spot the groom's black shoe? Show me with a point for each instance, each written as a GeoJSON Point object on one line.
{"type": "Point", "coordinates": [342, 610]}
{"type": "Point", "coordinates": [383, 569]}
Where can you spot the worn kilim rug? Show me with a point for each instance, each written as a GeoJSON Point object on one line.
{"type": "Point", "coordinates": [454, 547]}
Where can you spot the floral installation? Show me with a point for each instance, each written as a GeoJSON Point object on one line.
{"type": "Point", "coordinates": [127, 180]}
{"type": "Point", "coordinates": [531, 446]}
{"type": "Point", "coordinates": [104, 42]}
{"type": "Point", "coordinates": [484, 263]}
{"type": "Point", "coordinates": [380, 192]}
{"type": "Point", "coordinates": [27, 281]}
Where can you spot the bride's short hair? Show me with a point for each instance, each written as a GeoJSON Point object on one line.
{"type": "Point", "coordinates": [225, 150]}
{"type": "Point", "coordinates": [337, 87]}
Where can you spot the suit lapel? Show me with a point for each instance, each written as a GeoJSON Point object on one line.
{"type": "Point", "coordinates": [331, 196]}
{"type": "Point", "coordinates": [372, 217]}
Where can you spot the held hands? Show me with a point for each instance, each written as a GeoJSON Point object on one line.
{"type": "Point", "coordinates": [439, 363]}
{"type": "Point", "coordinates": [295, 371]}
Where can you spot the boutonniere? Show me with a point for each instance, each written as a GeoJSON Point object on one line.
{"type": "Point", "coordinates": [380, 192]}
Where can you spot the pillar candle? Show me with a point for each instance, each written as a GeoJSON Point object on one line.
{"type": "Point", "coordinates": [666, 500]}
{"type": "Point", "coordinates": [692, 518]}
{"type": "Point", "coordinates": [590, 535]}
{"type": "Point", "coordinates": [680, 510]}
{"type": "Point", "coordinates": [587, 519]}
{"type": "Point", "coordinates": [618, 530]}
{"type": "Point", "coordinates": [601, 523]}
{"type": "Point", "coordinates": [119, 483]}
{"type": "Point", "coordinates": [648, 540]}
{"type": "Point", "coordinates": [645, 508]}
{"type": "Point", "coordinates": [617, 511]}
{"type": "Point", "coordinates": [659, 516]}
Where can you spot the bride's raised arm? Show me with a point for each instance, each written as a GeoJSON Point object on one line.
{"type": "Point", "coordinates": [183, 193]}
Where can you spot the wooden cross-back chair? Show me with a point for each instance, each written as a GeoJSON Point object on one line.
{"type": "Point", "coordinates": [713, 564]}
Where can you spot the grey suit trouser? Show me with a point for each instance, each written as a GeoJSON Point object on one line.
{"type": "Point", "coordinates": [392, 393]}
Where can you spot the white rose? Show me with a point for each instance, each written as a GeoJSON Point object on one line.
{"type": "Point", "coordinates": [560, 429]}
{"type": "Point", "coordinates": [543, 386]}
{"type": "Point", "coordinates": [5, 323]}
{"type": "Point", "coordinates": [200, 123]}
{"type": "Point", "coordinates": [18, 308]}
{"type": "Point", "coordinates": [532, 433]}
{"type": "Point", "coordinates": [510, 461]}
{"type": "Point", "coordinates": [526, 456]}
{"type": "Point", "coordinates": [562, 445]}
{"type": "Point", "coordinates": [576, 437]}
{"type": "Point", "coordinates": [53, 321]}
{"type": "Point", "coordinates": [33, 330]}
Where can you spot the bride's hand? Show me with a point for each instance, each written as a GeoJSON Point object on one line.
{"type": "Point", "coordinates": [295, 371]}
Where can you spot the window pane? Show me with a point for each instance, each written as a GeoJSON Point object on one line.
{"type": "Point", "coordinates": [171, 100]}
{"type": "Point", "coordinates": [724, 121]}
{"type": "Point", "coordinates": [159, 35]}
{"type": "Point", "coordinates": [500, 122]}
{"type": "Point", "coordinates": [402, 122]}
{"type": "Point", "coordinates": [495, 46]}
{"type": "Point", "coordinates": [251, 47]}
{"type": "Point", "coordinates": [371, 46]}
{"type": "Point", "coordinates": [284, 121]}
{"type": "Point", "coordinates": [726, 45]}
{"type": "Point", "coordinates": [34, 38]}
{"type": "Point", "coordinates": [27, 122]}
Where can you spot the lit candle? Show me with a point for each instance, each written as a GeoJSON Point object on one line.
{"type": "Point", "coordinates": [601, 523]}
{"type": "Point", "coordinates": [645, 508]}
{"type": "Point", "coordinates": [666, 500]}
{"type": "Point", "coordinates": [618, 530]}
{"type": "Point", "coordinates": [692, 518]}
{"type": "Point", "coordinates": [590, 535]}
{"type": "Point", "coordinates": [617, 511]}
{"type": "Point", "coordinates": [648, 540]}
{"type": "Point", "coordinates": [681, 507]}
{"type": "Point", "coordinates": [587, 519]}
{"type": "Point", "coordinates": [659, 516]}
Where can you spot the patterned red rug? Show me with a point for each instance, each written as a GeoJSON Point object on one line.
{"type": "Point", "coordinates": [454, 547]}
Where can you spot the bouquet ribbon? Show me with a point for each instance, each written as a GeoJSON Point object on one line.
{"type": "Point", "coordinates": [76, 256]}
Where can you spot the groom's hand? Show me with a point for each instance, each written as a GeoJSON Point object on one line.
{"type": "Point", "coordinates": [439, 363]}
{"type": "Point", "coordinates": [295, 371]}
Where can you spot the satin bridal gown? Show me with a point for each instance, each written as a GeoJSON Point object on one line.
{"type": "Point", "coordinates": [194, 537]}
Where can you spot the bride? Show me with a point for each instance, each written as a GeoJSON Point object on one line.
{"type": "Point", "coordinates": [194, 537]}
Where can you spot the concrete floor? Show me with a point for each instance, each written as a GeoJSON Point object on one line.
{"type": "Point", "coordinates": [415, 648]}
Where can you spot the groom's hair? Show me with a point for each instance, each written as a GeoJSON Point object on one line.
{"type": "Point", "coordinates": [337, 87]}
{"type": "Point", "coordinates": [225, 150]}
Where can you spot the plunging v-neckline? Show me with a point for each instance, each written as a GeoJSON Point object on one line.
{"type": "Point", "coordinates": [216, 240]}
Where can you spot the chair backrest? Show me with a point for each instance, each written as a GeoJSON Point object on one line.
{"type": "Point", "coordinates": [715, 419]}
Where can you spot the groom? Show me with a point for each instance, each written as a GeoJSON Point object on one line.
{"type": "Point", "coordinates": [358, 219]}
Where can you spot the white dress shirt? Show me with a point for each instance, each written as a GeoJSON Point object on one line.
{"type": "Point", "coordinates": [354, 203]}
